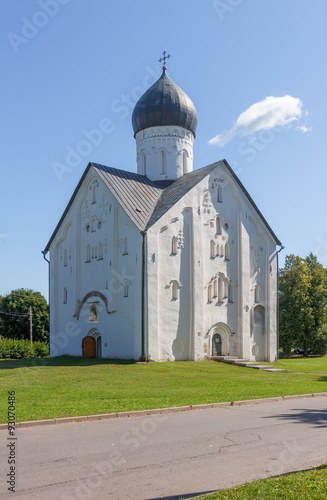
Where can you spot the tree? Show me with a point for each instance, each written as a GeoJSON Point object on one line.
{"type": "Point", "coordinates": [14, 315]}
{"type": "Point", "coordinates": [303, 304]}
{"type": "Point", "coordinates": [318, 296]}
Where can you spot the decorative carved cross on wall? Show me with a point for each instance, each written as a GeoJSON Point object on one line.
{"type": "Point", "coordinates": [163, 59]}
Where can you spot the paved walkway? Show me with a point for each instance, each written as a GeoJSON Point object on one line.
{"type": "Point", "coordinates": [168, 455]}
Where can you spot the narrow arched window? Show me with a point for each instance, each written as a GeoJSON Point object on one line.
{"type": "Point", "coordinates": [88, 256]}
{"type": "Point", "coordinates": [230, 293]}
{"type": "Point", "coordinates": [257, 295]}
{"type": "Point", "coordinates": [222, 250]}
{"type": "Point", "coordinates": [225, 289]}
{"type": "Point", "coordinates": [210, 293]}
{"type": "Point", "coordinates": [215, 288]}
{"type": "Point", "coordinates": [126, 288]}
{"type": "Point", "coordinates": [218, 225]}
{"type": "Point", "coordinates": [217, 250]}
{"type": "Point", "coordinates": [92, 252]}
{"type": "Point", "coordinates": [96, 252]}
{"type": "Point", "coordinates": [65, 295]}
{"type": "Point", "coordinates": [144, 164]}
{"type": "Point", "coordinates": [227, 252]}
{"type": "Point", "coordinates": [174, 292]}
{"type": "Point", "coordinates": [184, 162]}
{"type": "Point", "coordinates": [220, 289]}
{"type": "Point", "coordinates": [93, 194]}
{"type": "Point", "coordinates": [219, 194]}
{"type": "Point", "coordinates": [100, 251]}
{"type": "Point", "coordinates": [93, 228]}
{"type": "Point", "coordinates": [65, 258]}
{"type": "Point", "coordinates": [163, 166]}
{"type": "Point", "coordinates": [212, 250]}
{"type": "Point", "coordinates": [125, 252]}
{"type": "Point", "coordinates": [174, 245]}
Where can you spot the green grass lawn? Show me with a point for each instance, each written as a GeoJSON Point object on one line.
{"type": "Point", "coordinates": [304, 485]}
{"type": "Point", "coordinates": [58, 387]}
{"type": "Point", "coordinates": [304, 365]}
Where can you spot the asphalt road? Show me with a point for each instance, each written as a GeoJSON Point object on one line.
{"type": "Point", "coordinates": [167, 456]}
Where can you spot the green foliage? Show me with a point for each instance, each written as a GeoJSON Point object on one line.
{"type": "Point", "coordinates": [14, 317]}
{"type": "Point", "coordinates": [17, 349]}
{"type": "Point", "coordinates": [303, 304]}
{"type": "Point", "coordinates": [303, 485]}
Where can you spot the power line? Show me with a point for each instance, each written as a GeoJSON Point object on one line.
{"type": "Point", "coordinates": [13, 314]}
{"type": "Point", "coordinates": [27, 296]}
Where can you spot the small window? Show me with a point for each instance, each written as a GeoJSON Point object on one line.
{"type": "Point", "coordinates": [65, 295]}
{"type": "Point", "coordinates": [227, 252]}
{"type": "Point", "coordinates": [88, 253]}
{"type": "Point", "coordinates": [92, 252]}
{"type": "Point", "coordinates": [100, 251]}
{"type": "Point", "coordinates": [215, 288]}
{"type": "Point", "coordinates": [212, 250]}
{"type": "Point", "coordinates": [125, 252]}
{"type": "Point", "coordinates": [218, 225]}
{"type": "Point", "coordinates": [174, 292]}
{"type": "Point", "coordinates": [257, 295]}
{"type": "Point", "coordinates": [93, 225]}
{"type": "Point", "coordinates": [217, 250]}
{"type": "Point", "coordinates": [174, 245]}
{"type": "Point", "coordinates": [93, 194]}
{"type": "Point", "coordinates": [210, 293]}
{"type": "Point", "coordinates": [184, 162]}
{"type": "Point", "coordinates": [96, 252]}
{"type": "Point", "coordinates": [219, 194]}
{"type": "Point", "coordinates": [222, 250]}
{"type": "Point", "coordinates": [220, 289]}
{"type": "Point", "coordinates": [65, 258]}
{"type": "Point", "coordinates": [126, 288]}
{"type": "Point", "coordinates": [225, 289]}
{"type": "Point", "coordinates": [230, 294]}
{"type": "Point", "coordinates": [163, 166]}
{"type": "Point", "coordinates": [144, 164]}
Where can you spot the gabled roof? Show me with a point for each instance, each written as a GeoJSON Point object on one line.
{"type": "Point", "coordinates": [136, 194]}
{"type": "Point", "coordinates": [173, 193]}
{"type": "Point", "coordinates": [145, 201]}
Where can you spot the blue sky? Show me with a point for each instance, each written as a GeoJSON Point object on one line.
{"type": "Point", "coordinates": [69, 67]}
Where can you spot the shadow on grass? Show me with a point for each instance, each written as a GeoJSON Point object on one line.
{"type": "Point", "coordinates": [62, 361]}
{"type": "Point", "coordinates": [318, 418]}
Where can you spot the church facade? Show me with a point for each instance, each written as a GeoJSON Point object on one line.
{"type": "Point", "coordinates": [168, 263]}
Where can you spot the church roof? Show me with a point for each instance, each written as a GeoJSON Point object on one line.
{"type": "Point", "coordinates": [146, 201]}
{"type": "Point", "coordinates": [164, 103]}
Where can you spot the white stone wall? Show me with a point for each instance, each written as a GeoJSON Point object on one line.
{"type": "Point", "coordinates": [95, 219]}
{"type": "Point", "coordinates": [164, 152]}
{"type": "Point", "coordinates": [97, 250]}
{"type": "Point", "coordinates": [176, 331]}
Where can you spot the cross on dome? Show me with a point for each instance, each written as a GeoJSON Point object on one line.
{"type": "Point", "coordinates": [163, 59]}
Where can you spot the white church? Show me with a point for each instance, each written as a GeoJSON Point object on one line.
{"type": "Point", "coordinates": [165, 264]}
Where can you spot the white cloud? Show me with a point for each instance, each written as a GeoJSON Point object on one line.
{"type": "Point", "coordinates": [263, 115]}
{"type": "Point", "coordinates": [303, 128]}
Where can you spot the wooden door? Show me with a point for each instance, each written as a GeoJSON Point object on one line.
{"type": "Point", "coordinates": [88, 347]}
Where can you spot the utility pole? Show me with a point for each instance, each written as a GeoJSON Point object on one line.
{"type": "Point", "coordinates": [31, 326]}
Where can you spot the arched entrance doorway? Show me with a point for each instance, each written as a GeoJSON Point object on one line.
{"type": "Point", "coordinates": [88, 347]}
{"type": "Point", "coordinates": [216, 345]}
{"type": "Point", "coordinates": [220, 338]}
